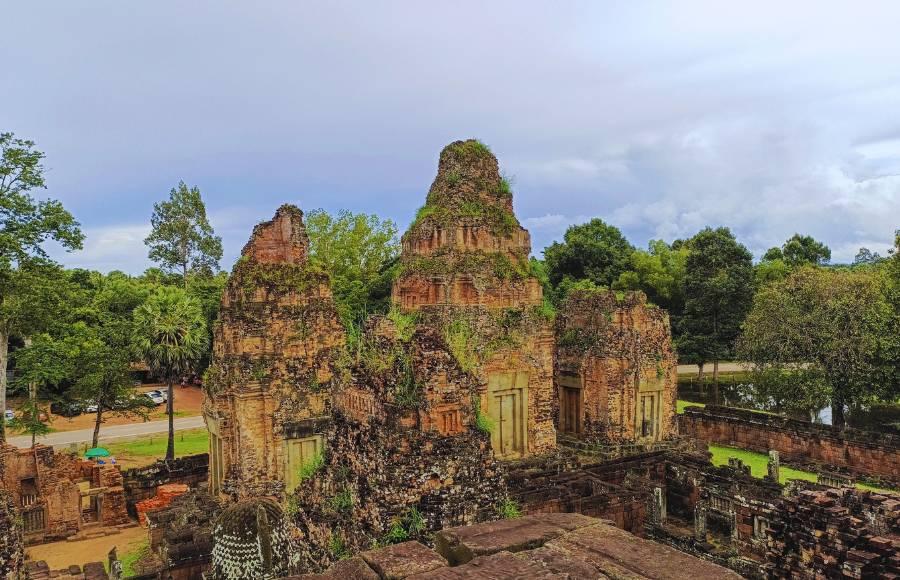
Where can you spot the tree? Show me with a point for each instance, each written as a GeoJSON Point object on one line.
{"type": "Point", "coordinates": [359, 252]}
{"type": "Point", "coordinates": [800, 250]}
{"type": "Point", "coordinates": [596, 251]}
{"type": "Point", "coordinates": [43, 362]}
{"type": "Point", "coordinates": [718, 291]}
{"type": "Point", "coordinates": [103, 381]}
{"type": "Point", "coordinates": [170, 335]}
{"type": "Point", "coordinates": [814, 338]}
{"type": "Point", "coordinates": [866, 256]}
{"type": "Point", "coordinates": [25, 224]}
{"type": "Point", "coordinates": [659, 273]}
{"type": "Point", "coordinates": [182, 238]}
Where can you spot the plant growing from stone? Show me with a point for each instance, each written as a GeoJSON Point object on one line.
{"type": "Point", "coordinates": [509, 509]}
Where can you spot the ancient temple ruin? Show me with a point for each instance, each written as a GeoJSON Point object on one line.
{"type": "Point", "coordinates": [616, 371]}
{"type": "Point", "coordinates": [58, 495]}
{"type": "Point", "coordinates": [275, 347]}
{"type": "Point", "coordinates": [469, 395]}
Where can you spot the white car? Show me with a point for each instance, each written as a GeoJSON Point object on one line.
{"type": "Point", "coordinates": [90, 409]}
{"type": "Point", "coordinates": [161, 393]}
{"type": "Point", "coordinates": [155, 397]}
{"type": "Point", "coordinates": [9, 414]}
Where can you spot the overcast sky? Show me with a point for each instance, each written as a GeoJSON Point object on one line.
{"type": "Point", "coordinates": [659, 117]}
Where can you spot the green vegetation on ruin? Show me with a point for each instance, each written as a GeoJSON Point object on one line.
{"type": "Point", "coordinates": [311, 467]}
{"type": "Point", "coordinates": [509, 509]}
{"type": "Point", "coordinates": [483, 423]}
{"type": "Point", "coordinates": [497, 265]}
{"type": "Point", "coordinates": [681, 405]}
{"type": "Point", "coordinates": [470, 148]}
{"type": "Point", "coordinates": [341, 502]}
{"type": "Point", "coordinates": [498, 219]}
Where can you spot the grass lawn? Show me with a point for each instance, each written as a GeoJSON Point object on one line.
{"type": "Point", "coordinates": [145, 450]}
{"type": "Point", "coordinates": [758, 465]}
{"type": "Point", "coordinates": [680, 405]}
{"type": "Point", "coordinates": [131, 556]}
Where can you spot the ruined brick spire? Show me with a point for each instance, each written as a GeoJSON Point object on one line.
{"type": "Point", "coordinates": [466, 246]}
{"type": "Point", "coordinates": [281, 240]}
{"type": "Point", "coordinates": [469, 172]}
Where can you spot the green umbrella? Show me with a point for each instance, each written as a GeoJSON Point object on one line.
{"type": "Point", "coordinates": [96, 452]}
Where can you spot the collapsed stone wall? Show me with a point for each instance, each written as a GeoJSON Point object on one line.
{"type": "Point", "coordinates": [861, 452]}
{"type": "Point", "coordinates": [45, 487]}
{"type": "Point", "coordinates": [141, 483]}
{"type": "Point", "coordinates": [832, 533]}
{"type": "Point", "coordinates": [403, 456]}
{"type": "Point", "coordinates": [614, 352]}
{"type": "Point", "coordinates": [275, 351]}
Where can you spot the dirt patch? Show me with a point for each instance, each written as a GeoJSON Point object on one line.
{"type": "Point", "coordinates": [58, 555]}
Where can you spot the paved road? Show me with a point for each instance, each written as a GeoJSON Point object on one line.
{"type": "Point", "coordinates": [724, 367]}
{"type": "Point", "coordinates": [65, 438]}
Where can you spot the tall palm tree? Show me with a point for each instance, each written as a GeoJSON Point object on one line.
{"type": "Point", "coordinates": [170, 336]}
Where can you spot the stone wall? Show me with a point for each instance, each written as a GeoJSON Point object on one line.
{"type": "Point", "coordinates": [12, 552]}
{"type": "Point", "coordinates": [141, 483]}
{"type": "Point", "coordinates": [47, 488]}
{"type": "Point", "coordinates": [835, 533]}
{"type": "Point", "coordinates": [616, 372]}
{"type": "Point", "coordinates": [861, 452]}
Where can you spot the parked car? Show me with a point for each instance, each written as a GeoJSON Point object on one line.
{"type": "Point", "coordinates": [92, 408]}
{"type": "Point", "coordinates": [155, 397]}
{"type": "Point", "coordinates": [66, 408]}
{"type": "Point", "coordinates": [160, 393]}
{"type": "Point", "coordinates": [9, 414]}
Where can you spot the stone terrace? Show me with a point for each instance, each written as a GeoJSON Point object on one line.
{"type": "Point", "coordinates": [538, 546]}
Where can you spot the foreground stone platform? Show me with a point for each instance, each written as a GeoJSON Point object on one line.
{"type": "Point", "coordinates": [557, 546]}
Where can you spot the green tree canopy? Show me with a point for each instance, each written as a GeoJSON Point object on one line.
{"type": "Point", "coordinates": [595, 251]}
{"type": "Point", "coordinates": [169, 336]}
{"type": "Point", "coordinates": [182, 239]}
{"type": "Point", "coordinates": [659, 273]}
{"type": "Point", "coordinates": [359, 252]}
{"type": "Point", "coordinates": [718, 292]}
{"type": "Point", "coordinates": [799, 250]}
{"type": "Point", "coordinates": [814, 339]}
{"type": "Point", "coordinates": [25, 224]}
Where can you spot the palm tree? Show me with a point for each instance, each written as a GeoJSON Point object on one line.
{"type": "Point", "coordinates": [170, 336]}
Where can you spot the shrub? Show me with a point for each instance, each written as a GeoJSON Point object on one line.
{"type": "Point", "coordinates": [311, 467]}
{"type": "Point", "coordinates": [483, 422]}
{"type": "Point", "coordinates": [342, 502]}
{"type": "Point", "coordinates": [460, 340]}
{"type": "Point", "coordinates": [509, 509]}
{"type": "Point", "coordinates": [337, 547]}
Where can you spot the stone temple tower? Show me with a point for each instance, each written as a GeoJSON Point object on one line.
{"type": "Point", "coordinates": [465, 270]}
{"type": "Point", "coordinates": [275, 348]}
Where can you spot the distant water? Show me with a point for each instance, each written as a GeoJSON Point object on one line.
{"type": "Point", "coordinates": [884, 418]}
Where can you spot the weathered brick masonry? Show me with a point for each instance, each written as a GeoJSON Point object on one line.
{"type": "Point", "coordinates": [616, 372]}
{"type": "Point", "coordinates": [862, 452]}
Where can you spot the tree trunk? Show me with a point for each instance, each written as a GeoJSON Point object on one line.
{"type": "Point", "coordinates": [4, 361]}
{"type": "Point", "coordinates": [184, 274]}
{"type": "Point", "coordinates": [99, 419]}
{"type": "Point", "coordinates": [700, 371]}
{"type": "Point", "coordinates": [716, 381]}
{"type": "Point", "coordinates": [32, 398]}
{"type": "Point", "coordinates": [170, 448]}
{"type": "Point", "coordinates": [837, 413]}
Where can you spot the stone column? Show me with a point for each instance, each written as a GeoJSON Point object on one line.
{"type": "Point", "coordinates": [658, 514]}
{"type": "Point", "coordinates": [700, 522]}
{"type": "Point", "coordinates": [774, 465]}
